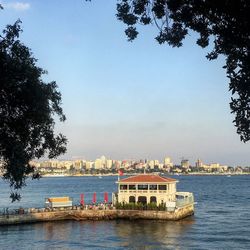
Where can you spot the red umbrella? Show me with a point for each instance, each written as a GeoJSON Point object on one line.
{"type": "Point", "coordinates": [82, 199]}
{"type": "Point", "coordinates": [106, 197]}
{"type": "Point", "coordinates": [94, 198]}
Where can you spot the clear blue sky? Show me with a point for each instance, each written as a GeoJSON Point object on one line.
{"type": "Point", "coordinates": [128, 100]}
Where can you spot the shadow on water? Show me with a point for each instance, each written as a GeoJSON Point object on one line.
{"type": "Point", "coordinates": [118, 234]}
{"type": "Point", "coordinates": [152, 233]}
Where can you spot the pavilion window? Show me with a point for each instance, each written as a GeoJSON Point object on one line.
{"type": "Point", "coordinates": [123, 187]}
{"type": "Point", "coordinates": [142, 187]}
{"type": "Point", "coordinates": [152, 187]}
{"type": "Point", "coordinates": [162, 187]}
{"type": "Point", "coordinates": [153, 199]}
{"type": "Point", "coordinates": [131, 187]}
{"type": "Point", "coordinates": [131, 199]}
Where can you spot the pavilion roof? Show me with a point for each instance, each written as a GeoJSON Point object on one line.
{"type": "Point", "coordinates": [147, 178]}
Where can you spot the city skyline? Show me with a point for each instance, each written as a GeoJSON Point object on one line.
{"type": "Point", "coordinates": [165, 160]}
{"type": "Point", "coordinates": [129, 100]}
{"type": "Point", "coordinates": [104, 165]}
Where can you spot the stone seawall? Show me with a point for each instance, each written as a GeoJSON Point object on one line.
{"type": "Point", "coordinates": [178, 214]}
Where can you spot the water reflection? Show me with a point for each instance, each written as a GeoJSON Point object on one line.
{"type": "Point", "coordinates": [120, 234]}
{"type": "Point", "coordinates": [152, 233]}
{"type": "Point", "coordinates": [61, 230]}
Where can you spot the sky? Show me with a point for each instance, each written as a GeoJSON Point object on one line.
{"type": "Point", "coordinates": [128, 100]}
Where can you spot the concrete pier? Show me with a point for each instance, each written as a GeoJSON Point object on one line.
{"type": "Point", "coordinates": [109, 214]}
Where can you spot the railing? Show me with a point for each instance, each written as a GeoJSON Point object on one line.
{"type": "Point", "coordinates": [6, 212]}
{"type": "Point", "coordinates": [144, 191]}
{"type": "Point", "coordinates": [184, 198]}
{"type": "Point", "coordinates": [11, 211]}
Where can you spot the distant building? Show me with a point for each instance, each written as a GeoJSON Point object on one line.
{"type": "Point", "coordinates": [156, 163]}
{"type": "Point", "coordinates": [198, 163]}
{"type": "Point", "coordinates": [98, 164]}
{"type": "Point", "coordinates": [109, 164]}
{"type": "Point", "coordinates": [151, 164]}
{"type": "Point", "coordinates": [32, 163]}
{"type": "Point", "coordinates": [89, 165]}
{"type": "Point", "coordinates": [185, 163]}
{"type": "Point", "coordinates": [215, 167]}
{"type": "Point", "coordinates": [117, 164]}
{"type": "Point", "coordinates": [168, 163]}
{"type": "Point", "coordinates": [78, 164]}
{"type": "Point", "coordinates": [67, 164]}
{"type": "Point", "coordinates": [161, 166]}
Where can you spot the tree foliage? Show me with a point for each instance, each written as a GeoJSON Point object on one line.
{"type": "Point", "coordinates": [223, 24]}
{"type": "Point", "coordinates": [27, 109]}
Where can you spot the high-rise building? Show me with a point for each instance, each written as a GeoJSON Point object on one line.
{"type": "Point", "coordinates": [151, 164]}
{"type": "Point", "coordinates": [185, 163]}
{"type": "Point", "coordinates": [167, 162]}
{"type": "Point", "coordinates": [199, 163]}
{"type": "Point", "coordinates": [156, 163]}
{"type": "Point", "coordinates": [98, 164]}
{"type": "Point", "coordinates": [77, 164]}
{"type": "Point", "coordinates": [109, 164]}
{"type": "Point", "coordinates": [89, 164]}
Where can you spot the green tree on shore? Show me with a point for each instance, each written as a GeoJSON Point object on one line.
{"type": "Point", "coordinates": [27, 109]}
{"type": "Point", "coordinates": [222, 24]}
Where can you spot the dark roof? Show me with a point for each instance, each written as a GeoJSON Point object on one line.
{"type": "Point", "coordinates": [146, 178]}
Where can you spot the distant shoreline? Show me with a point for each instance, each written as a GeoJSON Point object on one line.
{"type": "Point", "coordinates": [111, 174]}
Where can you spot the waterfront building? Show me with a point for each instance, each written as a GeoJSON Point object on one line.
{"type": "Point", "coordinates": [156, 163]}
{"type": "Point", "coordinates": [32, 163]}
{"type": "Point", "coordinates": [199, 163]}
{"type": "Point", "coordinates": [89, 165]}
{"type": "Point", "coordinates": [167, 162]}
{"type": "Point", "coordinates": [147, 188]}
{"type": "Point", "coordinates": [78, 164]}
{"type": "Point", "coordinates": [109, 164]}
{"type": "Point", "coordinates": [151, 164]}
{"type": "Point", "coordinates": [224, 168]}
{"type": "Point", "coordinates": [117, 164]}
{"type": "Point", "coordinates": [54, 163]}
{"type": "Point", "coordinates": [215, 166]}
{"type": "Point", "coordinates": [126, 164]}
{"type": "Point", "coordinates": [161, 166]}
{"type": "Point", "coordinates": [98, 164]}
{"type": "Point", "coordinates": [67, 164]}
{"type": "Point", "coordinates": [185, 163]}
{"type": "Point", "coordinates": [103, 161]}
{"type": "Point", "coordinates": [238, 169]}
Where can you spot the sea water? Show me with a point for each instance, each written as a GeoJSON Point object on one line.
{"type": "Point", "coordinates": [221, 220]}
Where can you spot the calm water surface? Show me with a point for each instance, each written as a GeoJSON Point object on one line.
{"type": "Point", "coordinates": [221, 220]}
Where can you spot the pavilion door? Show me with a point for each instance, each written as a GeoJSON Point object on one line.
{"type": "Point", "coordinates": [153, 199]}
{"type": "Point", "coordinates": [131, 199]}
{"type": "Point", "coordinates": [142, 199]}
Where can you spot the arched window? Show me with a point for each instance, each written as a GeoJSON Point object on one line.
{"type": "Point", "coordinates": [153, 199]}
{"type": "Point", "coordinates": [142, 199]}
{"type": "Point", "coordinates": [131, 199]}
